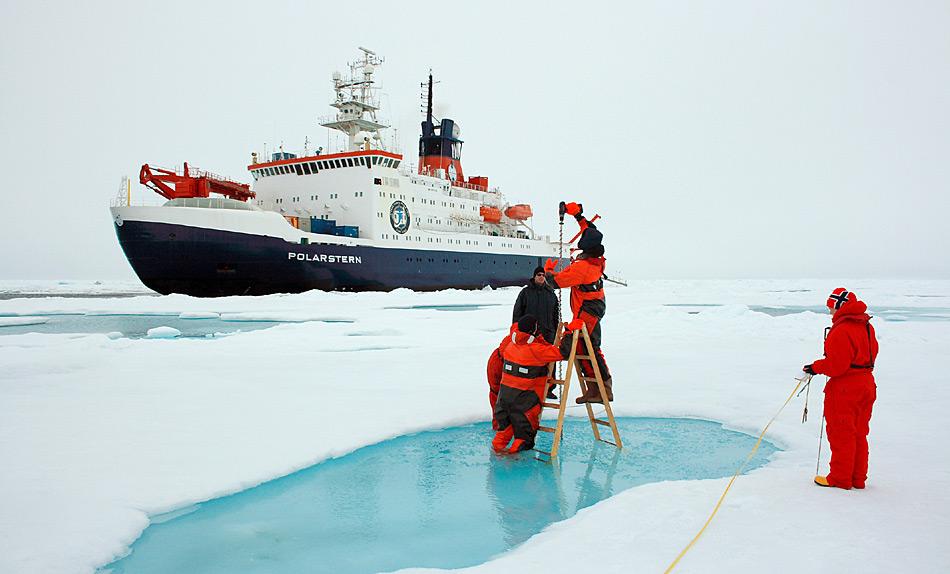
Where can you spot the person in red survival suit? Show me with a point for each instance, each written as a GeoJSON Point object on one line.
{"type": "Point", "coordinates": [850, 352]}
{"type": "Point", "coordinates": [496, 362]}
{"type": "Point", "coordinates": [585, 277]}
{"type": "Point", "coordinates": [524, 375]}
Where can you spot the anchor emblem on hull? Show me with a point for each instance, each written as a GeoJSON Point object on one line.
{"type": "Point", "coordinates": [399, 217]}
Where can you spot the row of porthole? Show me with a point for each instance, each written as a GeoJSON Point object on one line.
{"type": "Point", "coordinates": [444, 260]}
{"type": "Point", "coordinates": [296, 199]}
{"type": "Point", "coordinates": [426, 201]}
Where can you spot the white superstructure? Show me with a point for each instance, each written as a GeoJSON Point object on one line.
{"type": "Point", "coordinates": [359, 186]}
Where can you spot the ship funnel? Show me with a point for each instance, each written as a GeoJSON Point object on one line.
{"type": "Point", "coordinates": [440, 147]}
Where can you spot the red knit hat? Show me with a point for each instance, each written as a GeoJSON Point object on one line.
{"type": "Point", "coordinates": [839, 297]}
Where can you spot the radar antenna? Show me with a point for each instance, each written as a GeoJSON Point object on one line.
{"type": "Point", "coordinates": [357, 101]}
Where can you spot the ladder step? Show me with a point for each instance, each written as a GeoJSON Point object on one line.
{"type": "Point", "coordinates": [608, 442]}
{"type": "Point", "coordinates": [602, 422]}
{"type": "Point", "coordinates": [589, 379]}
{"type": "Point", "coordinates": [552, 405]}
{"type": "Point", "coordinates": [585, 357]}
{"type": "Point", "coordinates": [547, 429]}
{"type": "Point", "coordinates": [545, 453]}
{"type": "Point", "coordinates": [556, 381]}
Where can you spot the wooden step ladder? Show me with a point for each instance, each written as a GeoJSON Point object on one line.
{"type": "Point", "coordinates": [574, 367]}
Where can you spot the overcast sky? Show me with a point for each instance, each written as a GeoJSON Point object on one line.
{"type": "Point", "coordinates": [716, 139]}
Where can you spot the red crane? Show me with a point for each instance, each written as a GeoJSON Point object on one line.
{"type": "Point", "coordinates": [196, 183]}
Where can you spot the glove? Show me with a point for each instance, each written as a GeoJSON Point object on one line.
{"type": "Point", "coordinates": [549, 265]}
{"type": "Point", "coordinates": [566, 344]}
{"type": "Point", "coordinates": [575, 325]}
{"type": "Point", "coordinates": [809, 370]}
{"type": "Point", "coordinates": [574, 209]}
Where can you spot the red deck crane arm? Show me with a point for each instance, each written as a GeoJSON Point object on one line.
{"type": "Point", "coordinates": [172, 185]}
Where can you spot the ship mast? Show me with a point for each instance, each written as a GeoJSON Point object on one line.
{"type": "Point", "coordinates": [429, 100]}
{"type": "Point", "coordinates": [357, 101]}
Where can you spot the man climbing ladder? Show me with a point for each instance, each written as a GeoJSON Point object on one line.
{"type": "Point", "coordinates": [585, 277]}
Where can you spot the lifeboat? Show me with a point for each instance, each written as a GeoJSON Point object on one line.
{"type": "Point", "coordinates": [519, 212]}
{"type": "Point", "coordinates": [490, 214]}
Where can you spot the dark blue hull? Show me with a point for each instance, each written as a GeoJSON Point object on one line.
{"type": "Point", "coordinates": [212, 263]}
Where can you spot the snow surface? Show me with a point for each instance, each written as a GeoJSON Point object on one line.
{"type": "Point", "coordinates": [71, 288]}
{"type": "Point", "coordinates": [97, 434]}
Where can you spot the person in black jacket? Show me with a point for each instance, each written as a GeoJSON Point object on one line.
{"type": "Point", "coordinates": [538, 299]}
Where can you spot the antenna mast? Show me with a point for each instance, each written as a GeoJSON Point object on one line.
{"type": "Point", "coordinates": [357, 102]}
{"type": "Point", "coordinates": [429, 99]}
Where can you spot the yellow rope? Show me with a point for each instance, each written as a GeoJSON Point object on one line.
{"type": "Point", "coordinates": [801, 381]}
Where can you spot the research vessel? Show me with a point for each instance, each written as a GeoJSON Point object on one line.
{"type": "Point", "coordinates": [355, 219]}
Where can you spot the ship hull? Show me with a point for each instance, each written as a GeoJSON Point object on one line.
{"type": "Point", "coordinates": [207, 262]}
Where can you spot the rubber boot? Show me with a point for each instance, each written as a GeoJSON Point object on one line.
{"type": "Point", "coordinates": [593, 393]}
{"type": "Point", "coordinates": [517, 445]}
{"type": "Point", "coordinates": [823, 481]}
{"type": "Point", "coordinates": [589, 396]}
{"type": "Point", "coordinates": [502, 438]}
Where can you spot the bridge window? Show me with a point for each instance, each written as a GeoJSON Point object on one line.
{"type": "Point", "coordinates": [306, 168]}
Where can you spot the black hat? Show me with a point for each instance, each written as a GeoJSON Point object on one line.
{"type": "Point", "coordinates": [528, 324]}
{"type": "Point", "coordinates": [596, 251]}
{"type": "Point", "coordinates": [590, 241]}
{"type": "Point", "coordinates": [537, 270]}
